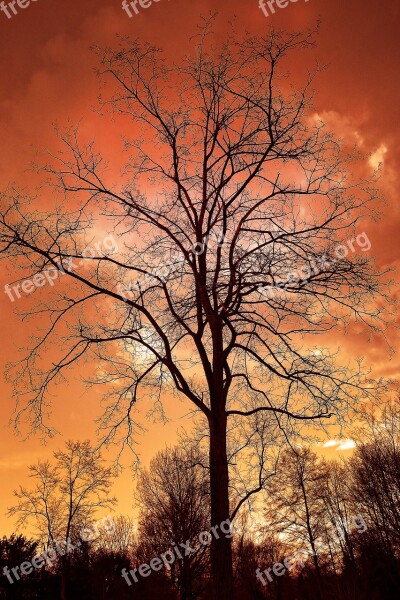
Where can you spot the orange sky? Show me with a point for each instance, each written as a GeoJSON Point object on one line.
{"type": "Point", "coordinates": [47, 77]}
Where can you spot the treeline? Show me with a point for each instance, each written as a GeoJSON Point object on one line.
{"type": "Point", "coordinates": [323, 530]}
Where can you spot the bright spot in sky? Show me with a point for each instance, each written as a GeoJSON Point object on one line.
{"type": "Point", "coordinates": [347, 445]}
{"type": "Point", "coordinates": [331, 443]}
{"type": "Point", "coordinates": [340, 444]}
{"type": "Point", "coordinates": [378, 157]}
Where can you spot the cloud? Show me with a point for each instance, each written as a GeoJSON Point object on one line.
{"type": "Point", "coordinates": [340, 445]}
{"type": "Point", "coordinates": [347, 445]}
{"type": "Point", "coordinates": [331, 443]}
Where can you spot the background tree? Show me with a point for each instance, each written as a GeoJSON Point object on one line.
{"type": "Point", "coordinates": [120, 538]}
{"type": "Point", "coordinates": [375, 474]}
{"type": "Point", "coordinates": [174, 502]}
{"type": "Point", "coordinates": [227, 218]}
{"type": "Point", "coordinates": [15, 550]}
{"type": "Point", "coordinates": [340, 512]}
{"type": "Point", "coordinates": [375, 488]}
{"type": "Point", "coordinates": [295, 505]}
{"type": "Point", "coordinates": [65, 498]}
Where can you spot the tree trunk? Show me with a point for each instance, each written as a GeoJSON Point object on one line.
{"type": "Point", "coordinates": [318, 571]}
{"type": "Point", "coordinates": [185, 581]}
{"type": "Point", "coordinates": [221, 549]}
{"type": "Point", "coordinates": [64, 574]}
{"type": "Point", "coordinates": [63, 584]}
{"type": "Point", "coordinates": [312, 539]}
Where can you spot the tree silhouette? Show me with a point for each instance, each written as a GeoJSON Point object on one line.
{"type": "Point", "coordinates": [228, 216]}
{"type": "Point", "coordinates": [174, 508]}
{"type": "Point", "coordinates": [14, 551]}
{"type": "Point", "coordinates": [340, 511]}
{"type": "Point", "coordinates": [64, 500]}
{"type": "Point", "coordinates": [120, 538]}
{"type": "Point", "coordinates": [296, 505]}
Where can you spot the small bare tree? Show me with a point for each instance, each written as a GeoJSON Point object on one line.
{"type": "Point", "coordinates": [174, 500]}
{"type": "Point", "coordinates": [65, 498]}
{"type": "Point", "coordinates": [119, 539]}
{"type": "Point", "coordinates": [339, 512]}
{"type": "Point", "coordinates": [296, 506]}
{"type": "Point", "coordinates": [228, 216]}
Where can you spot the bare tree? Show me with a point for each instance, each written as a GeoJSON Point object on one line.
{"type": "Point", "coordinates": [119, 539]}
{"type": "Point", "coordinates": [374, 472]}
{"type": "Point", "coordinates": [228, 215]}
{"type": "Point", "coordinates": [295, 505]}
{"type": "Point", "coordinates": [65, 499]}
{"type": "Point", "coordinates": [174, 508]}
{"type": "Point", "coordinates": [340, 511]}
{"type": "Point", "coordinates": [375, 489]}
